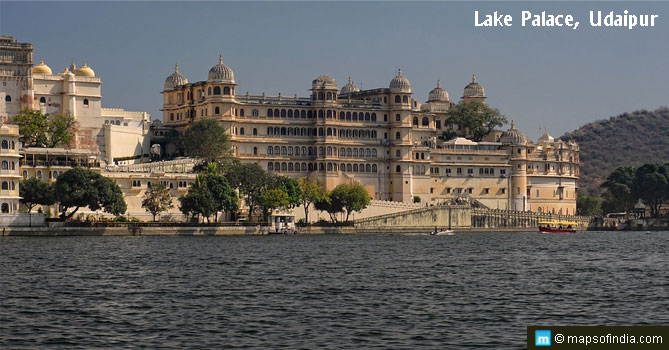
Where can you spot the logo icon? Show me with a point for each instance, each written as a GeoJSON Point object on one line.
{"type": "Point", "coordinates": [542, 338]}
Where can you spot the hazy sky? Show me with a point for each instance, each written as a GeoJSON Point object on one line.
{"type": "Point", "coordinates": [554, 77]}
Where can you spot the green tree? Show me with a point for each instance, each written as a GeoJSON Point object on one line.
{"type": "Point", "coordinates": [157, 199]}
{"type": "Point", "coordinates": [619, 196]}
{"type": "Point", "coordinates": [206, 139]}
{"type": "Point", "coordinates": [197, 202]}
{"type": "Point", "coordinates": [79, 187]}
{"type": "Point", "coordinates": [273, 199]}
{"type": "Point", "coordinates": [651, 184]}
{"type": "Point", "coordinates": [251, 180]}
{"type": "Point", "coordinates": [476, 117]}
{"type": "Point", "coordinates": [223, 196]}
{"type": "Point", "coordinates": [326, 204]}
{"type": "Point", "coordinates": [310, 192]}
{"type": "Point", "coordinates": [416, 199]}
{"type": "Point", "coordinates": [45, 130]}
{"type": "Point", "coordinates": [292, 189]}
{"type": "Point", "coordinates": [351, 198]}
{"type": "Point", "coordinates": [35, 192]}
{"type": "Point", "coordinates": [588, 205]}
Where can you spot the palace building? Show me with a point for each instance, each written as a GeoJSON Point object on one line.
{"type": "Point", "coordinates": [382, 138]}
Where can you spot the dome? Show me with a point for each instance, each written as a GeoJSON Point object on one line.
{"type": "Point", "coordinates": [67, 73]}
{"type": "Point", "coordinates": [400, 83]}
{"type": "Point", "coordinates": [176, 79]}
{"type": "Point", "coordinates": [349, 88]}
{"type": "Point", "coordinates": [438, 94]}
{"type": "Point", "coordinates": [42, 68]}
{"type": "Point", "coordinates": [84, 71]}
{"type": "Point", "coordinates": [221, 73]}
{"type": "Point", "coordinates": [513, 136]}
{"type": "Point", "coordinates": [473, 89]}
{"type": "Point", "coordinates": [546, 138]}
{"type": "Point", "coordinates": [324, 82]}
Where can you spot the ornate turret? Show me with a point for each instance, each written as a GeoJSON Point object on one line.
{"type": "Point", "coordinates": [400, 83]}
{"type": "Point", "coordinates": [474, 91]}
{"type": "Point", "coordinates": [350, 87]}
{"type": "Point", "coordinates": [221, 73]}
{"type": "Point", "coordinates": [175, 79]}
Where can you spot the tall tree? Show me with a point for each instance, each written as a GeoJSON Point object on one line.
{"type": "Point", "coordinates": [588, 205]}
{"type": "Point", "coordinates": [352, 198]}
{"type": "Point", "coordinates": [198, 201]}
{"type": "Point", "coordinates": [310, 192]}
{"type": "Point", "coordinates": [477, 118]}
{"type": "Point", "coordinates": [79, 187]}
{"type": "Point", "coordinates": [45, 130]}
{"type": "Point", "coordinates": [292, 189]}
{"type": "Point", "coordinates": [251, 180]}
{"type": "Point", "coordinates": [651, 184]}
{"type": "Point", "coordinates": [326, 204]}
{"type": "Point", "coordinates": [223, 196]}
{"type": "Point", "coordinates": [206, 139]}
{"type": "Point", "coordinates": [619, 184]}
{"type": "Point", "coordinates": [35, 192]}
{"type": "Point", "coordinates": [273, 199]}
{"type": "Point", "coordinates": [157, 199]}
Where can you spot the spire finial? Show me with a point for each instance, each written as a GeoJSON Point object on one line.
{"type": "Point", "coordinates": [220, 59]}
{"type": "Point", "coordinates": [399, 71]}
{"type": "Point", "coordinates": [438, 83]}
{"type": "Point", "coordinates": [350, 81]}
{"type": "Point", "coordinates": [474, 78]}
{"type": "Point", "coordinates": [513, 124]}
{"type": "Point", "coordinates": [176, 68]}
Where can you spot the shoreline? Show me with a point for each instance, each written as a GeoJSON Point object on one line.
{"type": "Point", "coordinates": [246, 231]}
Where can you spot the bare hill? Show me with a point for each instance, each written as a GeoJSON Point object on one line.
{"type": "Point", "coordinates": [628, 139]}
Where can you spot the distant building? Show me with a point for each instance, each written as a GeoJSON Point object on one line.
{"type": "Point", "coordinates": [9, 169]}
{"type": "Point", "coordinates": [112, 132]}
{"type": "Point", "coordinates": [382, 138]}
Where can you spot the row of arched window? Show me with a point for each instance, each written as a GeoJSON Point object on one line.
{"type": "Point", "coordinates": [332, 132]}
{"type": "Point", "coordinates": [402, 99]}
{"type": "Point", "coordinates": [329, 96]}
{"type": "Point", "coordinates": [7, 185]}
{"type": "Point", "coordinates": [8, 165]}
{"type": "Point", "coordinates": [8, 144]}
{"type": "Point", "coordinates": [322, 151]}
{"type": "Point", "coordinates": [308, 167]}
{"type": "Point", "coordinates": [309, 114]}
{"type": "Point", "coordinates": [5, 208]}
{"type": "Point", "coordinates": [424, 122]}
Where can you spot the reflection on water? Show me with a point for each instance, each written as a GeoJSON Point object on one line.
{"type": "Point", "coordinates": [324, 292]}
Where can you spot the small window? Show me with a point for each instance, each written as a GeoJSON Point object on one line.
{"type": "Point", "coordinates": [8, 98]}
{"type": "Point", "coordinates": [42, 100]}
{"type": "Point", "coordinates": [398, 169]}
{"type": "Point", "coordinates": [85, 102]}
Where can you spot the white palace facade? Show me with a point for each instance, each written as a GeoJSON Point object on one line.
{"type": "Point", "coordinates": [382, 138]}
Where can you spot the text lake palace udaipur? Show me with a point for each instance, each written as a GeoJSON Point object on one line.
{"type": "Point", "coordinates": [545, 19]}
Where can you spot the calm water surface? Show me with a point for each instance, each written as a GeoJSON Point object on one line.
{"type": "Point", "coordinates": [467, 291]}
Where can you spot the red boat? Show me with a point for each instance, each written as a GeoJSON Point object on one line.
{"type": "Point", "coordinates": [557, 227]}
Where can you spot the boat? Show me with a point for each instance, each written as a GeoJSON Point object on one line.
{"type": "Point", "coordinates": [557, 226]}
{"type": "Point", "coordinates": [442, 233]}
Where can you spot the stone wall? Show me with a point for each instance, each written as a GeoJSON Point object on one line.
{"type": "Point", "coordinates": [440, 216]}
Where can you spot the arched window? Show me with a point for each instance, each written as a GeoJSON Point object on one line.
{"type": "Point", "coordinates": [255, 132]}
{"type": "Point", "coordinates": [329, 113]}
{"type": "Point", "coordinates": [355, 168]}
{"type": "Point", "coordinates": [425, 121]}
{"type": "Point", "coordinates": [217, 110]}
{"type": "Point", "coordinates": [310, 114]}
{"type": "Point", "coordinates": [348, 168]}
{"type": "Point", "coordinates": [8, 99]}
{"type": "Point", "coordinates": [283, 113]}
{"type": "Point", "coordinates": [269, 113]}
{"type": "Point", "coordinates": [241, 112]}
{"type": "Point", "coordinates": [290, 113]}
{"type": "Point", "coordinates": [226, 91]}
{"type": "Point", "coordinates": [405, 99]}
{"type": "Point", "coordinates": [283, 131]}
{"type": "Point", "coordinates": [397, 135]}
{"type": "Point", "coordinates": [320, 114]}
{"type": "Point", "coordinates": [303, 114]}
{"type": "Point", "coordinates": [284, 167]}
{"type": "Point", "coordinates": [321, 151]}
{"type": "Point", "coordinates": [348, 152]}
{"type": "Point", "coordinates": [320, 131]}
{"type": "Point", "coordinates": [348, 115]}
{"type": "Point", "coordinates": [171, 118]}
{"type": "Point", "coordinates": [5, 165]}
{"type": "Point", "coordinates": [209, 90]}
{"type": "Point", "coordinates": [290, 150]}
{"type": "Point", "coordinates": [25, 174]}
{"type": "Point", "coordinates": [5, 185]}
{"type": "Point", "coordinates": [398, 99]}
{"type": "Point", "coordinates": [42, 99]}
{"type": "Point", "coordinates": [241, 131]}
{"type": "Point", "coordinates": [269, 149]}
{"type": "Point", "coordinates": [415, 121]}
{"type": "Point", "coordinates": [397, 117]}
{"type": "Point", "coordinates": [397, 153]}
{"type": "Point", "coordinates": [342, 115]}
{"type": "Point", "coordinates": [374, 153]}
{"type": "Point", "coordinates": [398, 169]}
{"type": "Point", "coordinates": [304, 151]}
{"type": "Point", "coordinates": [321, 167]}
{"type": "Point", "coordinates": [5, 144]}
{"type": "Point", "coordinates": [355, 115]}
{"type": "Point", "coordinates": [329, 132]}
{"type": "Point", "coordinates": [85, 102]}
{"type": "Point", "coordinates": [329, 164]}
{"type": "Point", "coordinates": [374, 168]}
{"type": "Point", "coordinates": [304, 166]}
{"type": "Point", "coordinates": [367, 116]}
{"type": "Point", "coordinates": [270, 131]}
{"type": "Point", "coordinates": [368, 153]}
{"type": "Point", "coordinates": [297, 151]}
{"type": "Point", "coordinates": [277, 150]}
{"type": "Point", "coordinates": [320, 97]}
{"type": "Point", "coordinates": [290, 166]}
{"type": "Point", "coordinates": [276, 112]}
{"type": "Point", "coordinates": [217, 90]}
{"type": "Point", "coordinates": [277, 166]}
{"type": "Point", "coordinates": [284, 150]}
{"type": "Point", "coordinates": [5, 208]}
{"type": "Point", "coordinates": [355, 152]}
{"type": "Point", "coordinates": [329, 97]}
{"type": "Point", "coordinates": [373, 117]}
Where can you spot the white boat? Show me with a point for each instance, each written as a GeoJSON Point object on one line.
{"type": "Point", "coordinates": [443, 233]}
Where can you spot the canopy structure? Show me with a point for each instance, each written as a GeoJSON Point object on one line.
{"type": "Point", "coordinates": [558, 223]}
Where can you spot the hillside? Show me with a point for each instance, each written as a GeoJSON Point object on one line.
{"type": "Point", "coordinates": [628, 139]}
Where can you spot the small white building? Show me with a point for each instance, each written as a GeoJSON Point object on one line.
{"type": "Point", "coordinates": [9, 169]}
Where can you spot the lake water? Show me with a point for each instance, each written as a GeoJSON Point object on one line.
{"type": "Point", "coordinates": [467, 291]}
